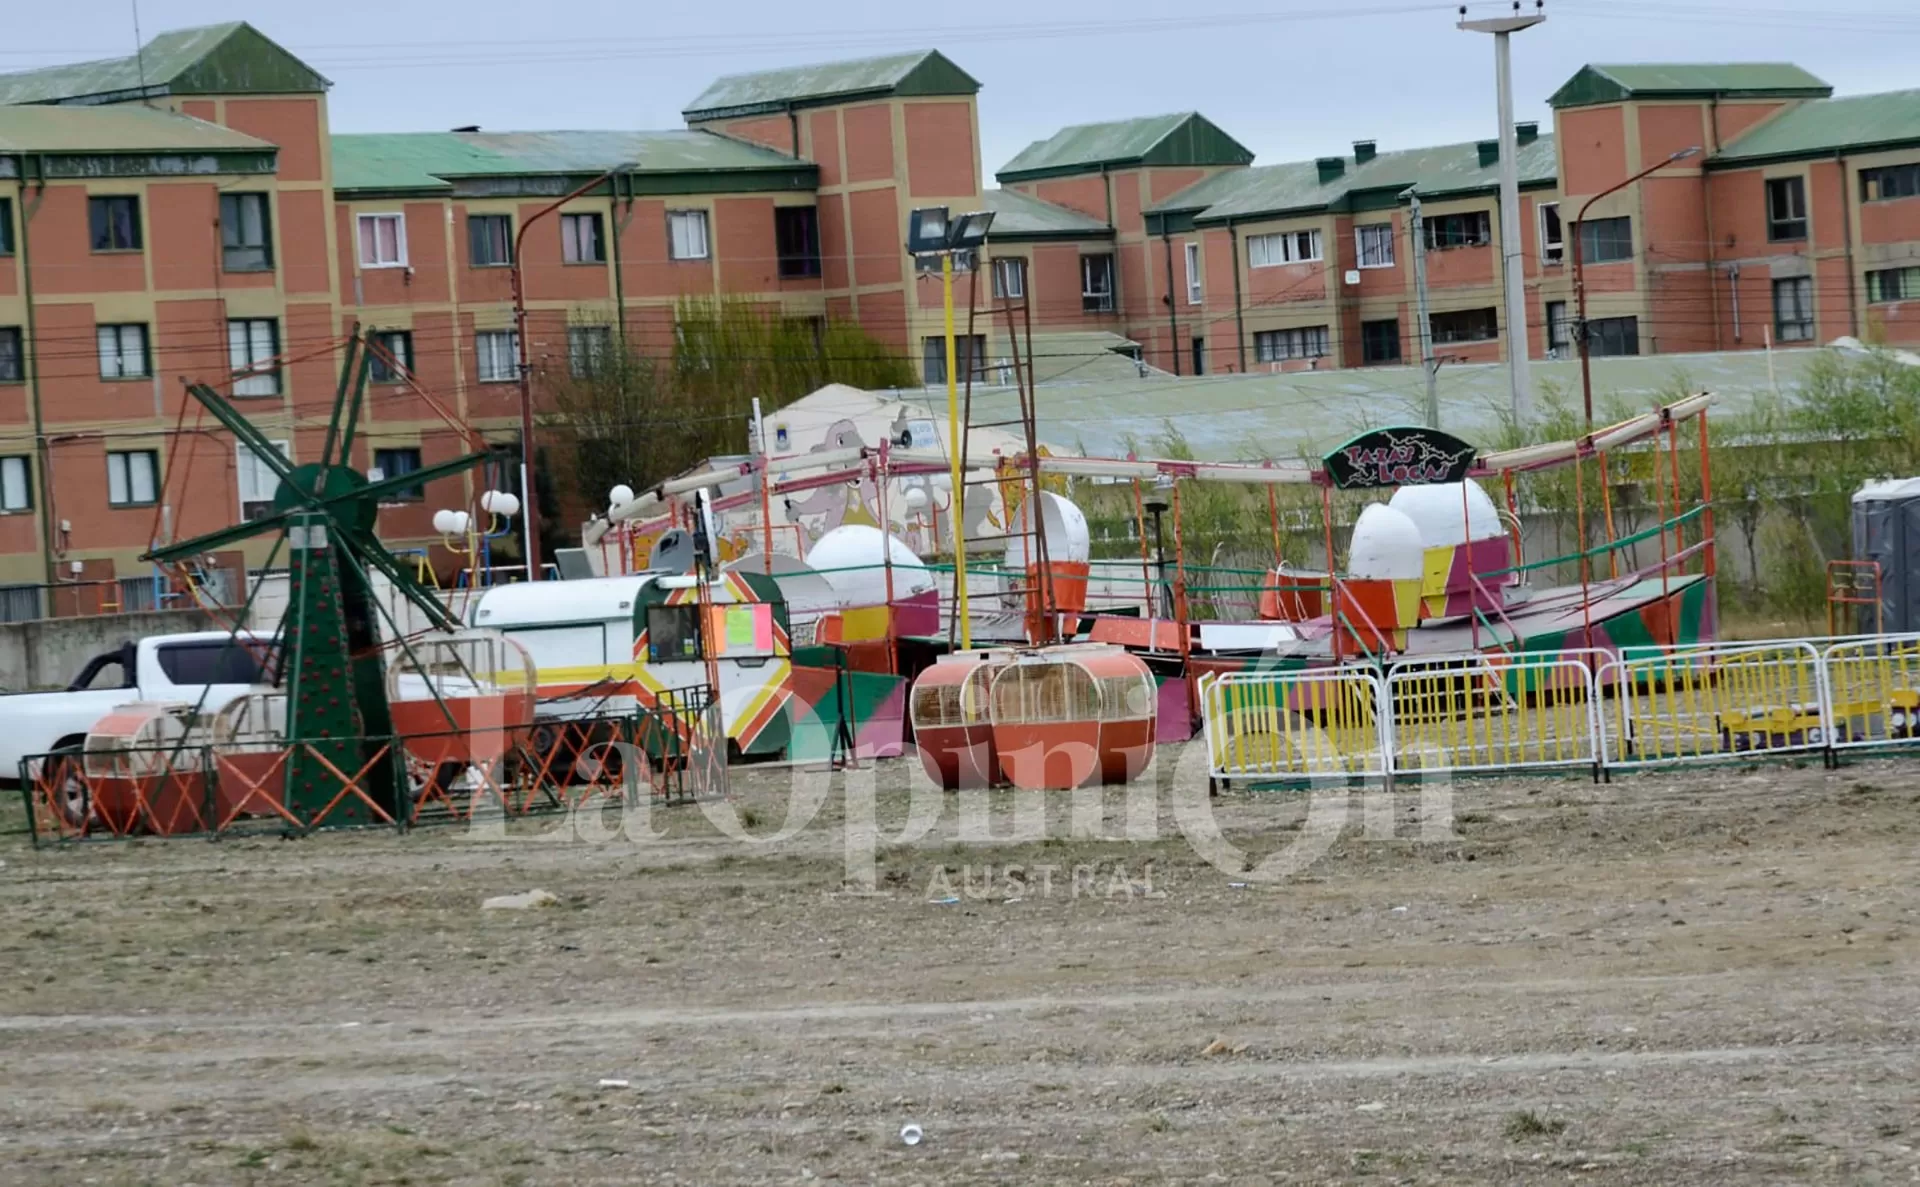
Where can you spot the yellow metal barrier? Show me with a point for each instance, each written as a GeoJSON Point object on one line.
{"type": "Point", "coordinates": [1486, 714]}
{"type": "Point", "coordinates": [1873, 690]}
{"type": "Point", "coordinates": [1317, 723]}
{"type": "Point", "coordinates": [1695, 704]}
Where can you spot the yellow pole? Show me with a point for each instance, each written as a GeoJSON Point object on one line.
{"type": "Point", "coordinates": [956, 508]}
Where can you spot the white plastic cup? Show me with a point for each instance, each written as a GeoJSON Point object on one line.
{"type": "Point", "coordinates": [911, 1134]}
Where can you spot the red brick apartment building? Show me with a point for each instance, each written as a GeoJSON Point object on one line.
{"type": "Point", "coordinates": [192, 215]}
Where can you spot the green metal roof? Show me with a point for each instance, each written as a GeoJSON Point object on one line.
{"type": "Point", "coordinates": [1183, 138]}
{"type": "Point", "coordinates": [1023, 216]}
{"type": "Point", "coordinates": [427, 162]}
{"type": "Point", "coordinates": [229, 59]}
{"type": "Point", "coordinates": [1686, 80]}
{"type": "Point", "coordinates": [1440, 171]}
{"type": "Point", "coordinates": [70, 130]}
{"type": "Point", "coordinates": [923, 72]}
{"type": "Point", "coordinates": [1824, 126]}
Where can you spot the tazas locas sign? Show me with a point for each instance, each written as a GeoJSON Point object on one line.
{"type": "Point", "coordinates": [1399, 457]}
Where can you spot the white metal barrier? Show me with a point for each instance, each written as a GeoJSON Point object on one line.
{"type": "Point", "coordinates": [1704, 703]}
{"type": "Point", "coordinates": [1316, 723]}
{"type": "Point", "coordinates": [1492, 713]}
{"type": "Point", "coordinates": [1873, 690]}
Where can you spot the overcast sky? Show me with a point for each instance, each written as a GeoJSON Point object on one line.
{"type": "Point", "coordinates": [1290, 79]}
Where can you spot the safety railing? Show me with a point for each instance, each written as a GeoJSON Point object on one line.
{"type": "Point", "coordinates": [1704, 703]}
{"type": "Point", "coordinates": [1479, 714]}
{"type": "Point", "coordinates": [1304, 725]}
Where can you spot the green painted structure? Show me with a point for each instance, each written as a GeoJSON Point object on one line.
{"type": "Point", "coordinates": [771, 92]}
{"type": "Point", "coordinates": [1182, 139]}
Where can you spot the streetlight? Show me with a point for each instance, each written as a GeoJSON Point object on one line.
{"type": "Point", "coordinates": [931, 233]}
{"type": "Point", "coordinates": [1579, 276]}
{"type": "Point", "coordinates": [462, 535]}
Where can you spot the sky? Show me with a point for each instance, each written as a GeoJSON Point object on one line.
{"type": "Point", "coordinates": [1291, 80]}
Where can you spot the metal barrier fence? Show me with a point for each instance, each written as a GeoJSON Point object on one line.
{"type": "Point", "coordinates": [1873, 691]}
{"type": "Point", "coordinates": [1704, 703]}
{"type": "Point", "coordinates": [1314, 723]}
{"type": "Point", "coordinates": [1477, 714]}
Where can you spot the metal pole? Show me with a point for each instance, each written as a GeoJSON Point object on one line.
{"type": "Point", "coordinates": [1419, 228]}
{"type": "Point", "coordinates": [956, 508]}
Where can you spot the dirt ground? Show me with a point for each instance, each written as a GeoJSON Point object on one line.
{"type": "Point", "coordinates": [1705, 977]}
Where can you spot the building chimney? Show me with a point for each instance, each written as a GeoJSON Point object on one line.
{"type": "Point", "coordinates": [1330, 168]}
{"type": "Point", "coordinates": [1526, 133]}
{"type": "Point", "coordinates": [1489, 152]}
{"type": "Point", "coordinates": [1363, 151]}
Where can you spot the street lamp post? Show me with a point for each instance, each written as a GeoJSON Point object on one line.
{"type": "Point", "coordinates": [1579, 275]}
{"type": "Point", "coordinates": [930, 234]}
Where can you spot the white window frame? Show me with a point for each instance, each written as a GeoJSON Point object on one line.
{"type": "Point", "coordinates": [1105, 299]}
{"type": "Point", "coordinates": [123, 477]}
{"type": "Point", "coordinates": [114, 355]}
{"type": "Point", "coordinates": [1554, 252]}
{"type": "Point", "coordinates": [1010, 267]}
{"type": "Point", "coordinates": [16, 483]}
{"type": "Point", "coordinates": [365, 221]}
{"type": "Point", "coordinates": [681, 227]}
{"type": "Point", "coordinates": [255, 482]}
{"type": "Point", "coordinates": [592, 345]}
{"type": "Point", "coordinates": [488, 364]}
{"type": "Point", "coordinates": [1793, 324]}
{"type": "Point", "coordinates": [1278, 248]}
{"type": "Point", "coordinates": [573, 243]}
{"type": "Point", "coordinates": [1382, 234]}
{"type": "Point", "coordinates": [249, 354]}
{"type": "Point", "coordinates": [1196, 291]}
{"type": "Point", "coordinates": [1293, 342]}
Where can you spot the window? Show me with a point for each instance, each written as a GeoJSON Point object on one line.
{"type": "Point", "coordinates": [499, 355]}
{"type": "Point", "coordinates": [687, 234]}
{"type": "Point", "coordinates": [1199, 356]}
{"type": "Point", "coordinates": [1380, 341]}
{"type": "Point", "coordinates": [580, 239]}
{"type": "Point", "coordinates": [1471, 229]}
{"type": "Point", "coordinates": [1096, 284]}
{"type": "Point", "coordinates": [123, 351]}
{"type": "Point", "coordinates": [395, 462]}
{"type": "Point", "coordinates": [967, 352]}
{"type": "Point", "coordinates": [1891, 284]}
{"type": "Point", "coordinates": [16, 484]}
{"type": "Point", "coordinates": [13, 367]}
{"type": "Point", "coordinates": [1559, 334]}
{"type": "Point", "coordinates": [1793, 309]}
{"type": "Point", "coordinates": [796, 238]}
{"type": "Point", "coordinates": [1613, 336]}
{"type": "Point", "coordinates": [6, 226]}
{"type": "Point", "coordinates": [673, 634]}
{"type": "Point", "coordinates": [252, 344]}
{"type": "Point", "coordinates": [131, 478]}
{"type": "Point", "coordinates": [489, 240]}
{"type": "Point", "coordinates": [383, 241]}
{"type": "Point", "coordinates": [1786, 209]}
{"type": "Point", "coordinates": [588, 348]}
{"type": "Point", "coordinates": [1273, 346]}
{"type": "Point", "coordinates": [256, 479]}
{"type": "Point", "coordinates": [246, 233]}
{"type": "Point", "coordinates": [1465, 325]}
{"type": "Point", "coordinates": [114, 223]}
{"type": "Point", "coordinates": [399, 344]}
{"type": "Point", "coordinates": [503, 467]}
{"type": "Point", "coordinates": [1286, 247]}
{"type": "Point", "coordinates": [1375, 242]}
{"type": "Point", "coordinates": [1892, 181]}
{"type": "Point", "coordinates": [1010, 278]}
{"type": "Point", "coordinates": [220, 661]}
{"type": "Point", "coordinates": [1553, 241]}
{"type": "Point", "coordinates": [1606, 240]}
{"type": "Point", "coordinates": [1194, 291]}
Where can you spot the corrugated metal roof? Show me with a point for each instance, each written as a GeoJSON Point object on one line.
{"type": "Point", "coordinates": [1082, 356]}
{"type": "Point", "coordinates": [922, 72]}
{"type": "Point", "coordinates": [1611, 84]}
{"type": "Point", "coordinates": [1827, 125]}
{"type": "Point", "coordinates": [232, 57]}
{"type": "Point", "coordinates": [1016, 214]}
{"type": "Point", "coordinates": [1182, 138]}
{"type": "Point", "coordinates": [45, 129]}
{"type": "Point", "coordinates": [1297, 185]}
{"type": "Point", "coordinates": [424, 160]}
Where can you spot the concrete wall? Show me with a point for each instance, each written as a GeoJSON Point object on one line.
{"type": "Point", "coordinates": [48, 653]}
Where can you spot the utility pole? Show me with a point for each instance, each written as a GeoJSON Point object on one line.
{"type": "Point", "coordinates": [1428, 364]}
{"type": "Point", "coordinates": [1502, 29]}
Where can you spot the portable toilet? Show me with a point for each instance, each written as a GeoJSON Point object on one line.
{"type": "Point", "coordinates": [1886, 530]}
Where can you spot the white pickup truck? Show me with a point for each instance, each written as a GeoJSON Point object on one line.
{"type": "Point", "coordinates": [166, 668]}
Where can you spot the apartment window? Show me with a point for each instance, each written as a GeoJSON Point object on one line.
{"type": "Point", "coordinates": [1889, 284]}
{"type": "Point", "coordinates": [967, 352]}
{"type": "Point", "coordinates": [587, 349]}
{"type": "Point", "coordinates": [1286, 247]}
{"type": "Point", "coordinates": [246, 233]}
{"type": "Point", "coordinates": [1613, 336]}
{"type": "Point", "coordinates": [1199, 356]}
{"type": "Point", "coordinates": [1786, 209]}
{"type": "Point", "coordinates": [1465, 325]}
{"type": "Point", "coordinates": [252, 344]}
{"type": "Point", "coordinates": [498, 353]}
{"type": "Point", "coordinates": [132, 478]}
{"type": "Point", "coordinates": [1194, 292]}
{"type": "Point", "coordinates": [1553, 239]}
{"type": "Point", "coordinates": [580, 239]}
{"type": "Point", "coordinates": [1375, 242]}
{"type": "Point", "coordinates": [1096, 284]}
{"type": "Point", "coordinates": [399, 344]}
{"type": "Point", "coordinates": [114, 223]}
{"type": "Point", "coordinates": [6, 226]}
{"type": "Point", "coordinates": [1380, 341]}
{"type": "Point", "coordinates": [16, 484]}
{"type": "Point", "coordinates": [1559, 334]}
{"type": "Point", "coordinates": [687, 234]}
{"type": "Point", "coordinates": [383, 241]}
{"type": "Point", "coordinates": [123, 352]}
{"type": "Point", "coordinates": [256, 479]}
{"type": "Point", "coordinates": [1892, 181]}
{"type": "Point", "coordinates": [489, 240]}
{"type": "Point", "coordinates": [13, 367]}
{"type": "Point", "coordinates": [1470, 229]}
{"type": "Point", "coordinates": [1606, 240]}
{"type": "Point", "coordinates": [395, 462]}
{"type": "Point", "coordinates": [1793, 309]}
{"type": "Point", "coordinates": [1274, 346]}
{"type": "Point", "coordinates": [796, 237]}
{"type": "Point", "coordinates": [504, 460]}
{"type": "Point", "coordinates": [1010, 278]}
